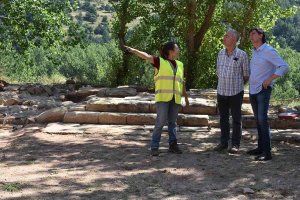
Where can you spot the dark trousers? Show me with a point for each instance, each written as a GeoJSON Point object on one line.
{"type": "Point", "coordinates": [260, 106]}
{"type": "Point", "coordinates": [234, 104]}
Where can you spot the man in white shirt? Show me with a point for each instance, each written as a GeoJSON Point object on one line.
{"type": "Point", "coordinates": [266, 65]}
{"type": "Point", "coordinates": [233, 72]}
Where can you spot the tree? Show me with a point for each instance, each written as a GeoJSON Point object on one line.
{"type": "Point", "coordinates": [287, 31]}
{"type": "Point", "coordinates": [26, 23]}
{"type": "Point", "coordinates": [90, 17]}
{"type": "Point", "coordinates": [198, 27]}
{"type": "Point", "coordinates": [126, 12]}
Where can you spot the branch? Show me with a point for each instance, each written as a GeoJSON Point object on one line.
{"type": "Point", "coordinates": [247, 18]}
{"type": "Point", "coordinates": [206, 24]}
{"type": "Point", "coordinates": [191, 11]}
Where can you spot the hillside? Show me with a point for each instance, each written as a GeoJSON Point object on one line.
{"type": "Point", "coordinates": [94, 17]}
{"type": "Point", "coordinates": [287, 31]}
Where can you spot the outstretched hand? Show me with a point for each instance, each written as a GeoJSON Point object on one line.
{"type": "Point", "coordinates": [127, 49]}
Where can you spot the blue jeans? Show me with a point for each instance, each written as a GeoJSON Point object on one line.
{"type": "Point", "coordinates": [260, 106]}
{"type": "Point", "coordinates": [167, 112]}
{"type": "Point", "coordinates": [234, 104]}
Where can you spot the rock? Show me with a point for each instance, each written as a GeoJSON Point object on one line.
{"type": "Point", "coordinates": [7, 120]}
{"type": "Point", "coordinates": [81, 94]}
{"type": "Point", "coordinates": [248, 191]}
{"type": "Point", "coordinates": [35, 90]}
{"type": "Point", "coordinates": [102, 92]}
{"type": "Point", "coordinates": [200, 106]}
{"type": "Point", "coordinates": [24, 95]}
{"type": "Point", "coordinates": [47, 89]}
{"type": "Point", "coordinates": [4, 83]}
{"type": "Point", "coordinates": [77, 108]}
{"type": "Point", "coordinates": [12, 88]}
{"type": "Point", "coordinates": [90, 97]}
{"type": "Point", "coordinates": [2, 101]}
{"type": "Point", "coordinates": [53, 115]}
{"type": "Point", "coordinates": [62, 97]}
{"type": "Point", "coordinates": [112, 118]}
{"type": "Point", "coordinates": [47, 105]}
{"type": "Point", "coordinates": [247, 109]}
{"type": "Point", "coordinates": [140, 119]}
{"type": "Point", "coordinates": [70, 81]}
{"type": "Point", "coordinates": [133, 106]}
{"type": "Point", "coordinates": [88, 91]}
{"type": "Point", "coordinates": [121, 92]}
{"type": "Point", "coordinates": [81, 117]}
{"type": "Point", "coordinates": [68, 103]}
{"type": "Point", "coordinates": [28, 103]}
{"type": "Point", "coordinates": [102, 105]}
{"type": "Point", "coordinates": [10, 101]}
{"type": "Point", "coordinates": [137, 87]}
{"type": "Point", "coordinates": [193, 120]}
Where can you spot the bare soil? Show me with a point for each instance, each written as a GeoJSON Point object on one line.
{"type": "Point", "coordinates": [115, 164]}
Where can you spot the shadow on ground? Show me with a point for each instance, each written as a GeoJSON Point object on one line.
{"type": "Point", "coordinates": [117, 165]}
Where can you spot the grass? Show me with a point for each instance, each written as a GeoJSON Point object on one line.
{"type": "Point", "coordinates": [289, 103]}
{"type": "Point", "coordinates": [12, 187]}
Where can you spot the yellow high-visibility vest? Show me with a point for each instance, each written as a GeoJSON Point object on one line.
{"type": "Point", "coordinates": [168, 81]}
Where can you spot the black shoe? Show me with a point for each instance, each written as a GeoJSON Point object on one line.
{"type": "Point", "coordinates": [220, 147]}
{"type": "Point", "coordinates": [154, 152]}
{"type": "Point", "coordinates": [263, 157]}
{"type": "Point", "coordinates": [174, 148]}
{"type": "Point", "coordinates": [254, 152]}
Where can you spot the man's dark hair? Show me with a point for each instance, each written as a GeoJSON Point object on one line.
{"type": "Point", "coordinates": [260, 31]}
{"type": "Point", "coordinates": [164, 50]}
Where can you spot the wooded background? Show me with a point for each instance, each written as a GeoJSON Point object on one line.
{"type": "Point", "coordinates": [49, 41]}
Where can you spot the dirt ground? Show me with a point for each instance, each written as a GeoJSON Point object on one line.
{"type": "Point", "coordinates": [115, 164]}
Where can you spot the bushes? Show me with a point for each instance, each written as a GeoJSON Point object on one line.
{"type": "Point", "coordinates": [95, 64]}
{"type": "Point", "coordinates": [288, 87]}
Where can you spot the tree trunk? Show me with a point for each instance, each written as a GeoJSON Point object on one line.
{"type": "Point", "coordinates": [190, 42]}
{"type": "Point", "coordinates": [247, 18]}
{"type": "Point", "coordinates": [194, 40]}
{"type": "Point", "coordinates": [123, 19]}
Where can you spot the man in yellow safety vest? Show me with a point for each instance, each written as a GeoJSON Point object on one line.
{"type": "Point", "coordinates": [169, 88]}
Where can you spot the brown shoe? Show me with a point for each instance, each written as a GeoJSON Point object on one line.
{"type": "Point", "coordinates": [233, 150]}
{"type": "Point", "coordinates": [220, 147]}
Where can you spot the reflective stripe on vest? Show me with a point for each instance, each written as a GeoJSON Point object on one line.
{"type": "Point", "coordinates": [168, 78]}
{"type": "Point", "coordinates": [167, 84]}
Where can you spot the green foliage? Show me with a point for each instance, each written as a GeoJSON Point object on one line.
{"type": "Point", "coordinates": [90, 17]}
{"type": "Point", "coordinates": [100, 29]}
{"type": "Point", "coordinates": [178, 23]}
{"type": "Point", "coordinates": [94, 64]}
{"type": "Point", "coordinates": [287, 31]}
{"type": "Point", "coordinates": [12, 187]}
{"type": "Point", "coordinates": [288, 87]}
{"type": "Point", "coordinates": [54, 46]}
{"type": "Point", "coordinates": [29, 23]}
{"type": "Point", "coordinates": [107, 8]}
